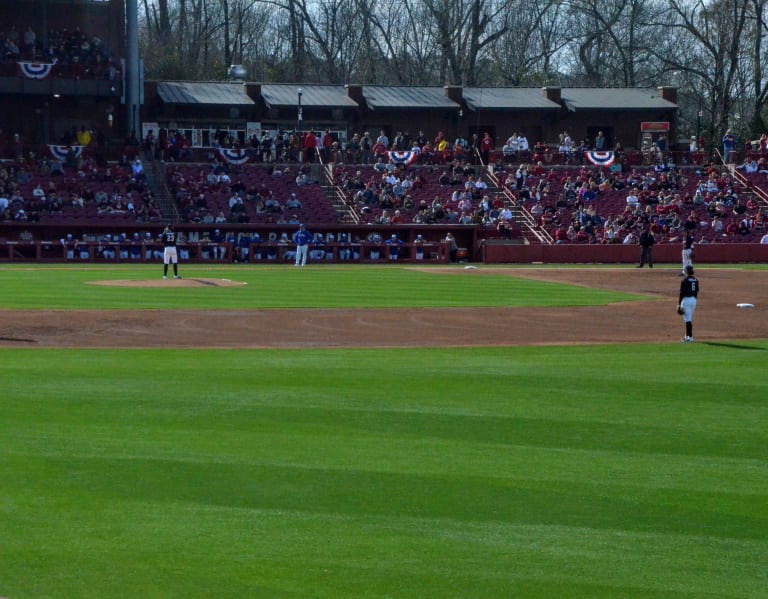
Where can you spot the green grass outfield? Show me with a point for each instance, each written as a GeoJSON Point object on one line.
{"type": "Point", "coordinates": [324, 286]}
{"type": "Point", "coordinates": [597, 471]}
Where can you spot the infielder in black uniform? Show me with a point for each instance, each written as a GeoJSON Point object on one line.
{"type": "Point", "coordinates": [686, 305]}
{"type": "Point", "coordinates": [170, 254]}
{"type": "Point", "coordinates": [688, 242]}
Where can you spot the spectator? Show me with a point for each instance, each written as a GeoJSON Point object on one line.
{"type": "Point", "coordinates": [84, 136]}
{"type": "Point", "coordinates": [293, 203]}
{"type": "Point", "coordinates": [729, 146]}
{"type": "Point", "coordinates": [600, 142]}
{"type": "Point", "coordinates": [509, 149]}
{"type": "Point", "coordinates": [394, 245]}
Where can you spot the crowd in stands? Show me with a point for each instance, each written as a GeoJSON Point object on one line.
{"type": "Point", "coordinates": [596, 205]}
{"type": "Point", "coordinates": [85, 53]}
{"type": "Point", "coordinates": [36, 189]}
{"type": "Point", "coordinates": [586, 204]}
{"type": "Point", "coordinates": [227, 193]}
{"type": "Point", "coordinates": [575, 203]}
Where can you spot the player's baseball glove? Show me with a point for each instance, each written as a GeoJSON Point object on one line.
{"type": "Point", "coordinates": [680, 310]}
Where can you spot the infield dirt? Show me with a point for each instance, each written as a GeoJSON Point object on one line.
{"type": "Point", "coordinates": [653, 320]}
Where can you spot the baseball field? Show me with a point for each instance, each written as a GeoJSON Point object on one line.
{"type": "Point", "coordinates": [381, 431]}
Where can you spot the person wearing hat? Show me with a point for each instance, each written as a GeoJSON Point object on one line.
{"type": "Point", "coordinates": [394, 244]}
{"type": "Point", "coordinates": [418, 245]}
{"type": "Point", "coordinates": [218, 244]}
{"type": "Point", "coordinates": [69, 244]}
{"type": "Point", "coordinates": [256, 252]}
{"type": "Point", "coordinates": [168, 237]}
{"type": "Point", "coordinates": [302, 238]}
{"type": "Point", "coordinates": [686, 304]}
{"type": "Point", "coordinates": [107, 247]}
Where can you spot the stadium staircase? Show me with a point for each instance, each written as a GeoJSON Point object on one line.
{"type": "Point", "coordinates": [532, 232]}
{"type": "Point", "coordinates": [345, 208]}
{"type": "Point", "coordinates": [156, 181]}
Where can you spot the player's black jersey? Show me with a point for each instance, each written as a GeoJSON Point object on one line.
{"type": "Point", "coordinates": [688, 244]}
{"type": "Point", "coordinates": [689, 287]}
{"type": "Point", "coordinates": [169, 239]}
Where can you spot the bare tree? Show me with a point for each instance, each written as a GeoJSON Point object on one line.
{"type": "Point", "coordinates": [708, 52]}
{"type": "Point", "coordinates": [758, 28]}
{"type": "Point", "coordinates": [525, 53]}
{"type": "Point", "coordinates": [612, 40]}
{"type": "Point", "coordinates": [464, 29]}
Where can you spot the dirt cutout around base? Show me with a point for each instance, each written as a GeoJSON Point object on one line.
{"type": "Point", "coordinates": [652, 320]}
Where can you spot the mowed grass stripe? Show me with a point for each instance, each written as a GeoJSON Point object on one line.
{"type": "Point", "coordinates": [287, 287]}
{"type": "Point", "coordinates": [385, 472]}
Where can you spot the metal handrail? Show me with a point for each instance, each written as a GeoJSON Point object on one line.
{"type": "Point", "coordinates": [349, 207]}
{"type": "Point", "coordinates": [524, 215]}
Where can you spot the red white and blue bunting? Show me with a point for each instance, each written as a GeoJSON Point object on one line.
{"type": "Point", "coordinates": [601, 158]}
{"type": "Point", "coordinates": [35, 70]}
{"type": "Point", "coordinates": [408, 157]}
{"type": "Point", "coordinates": [234, 156]}
{"type": "Point", "coordinates": [60, 152]}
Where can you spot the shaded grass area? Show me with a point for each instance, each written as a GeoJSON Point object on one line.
{"type": "Point", "coordinates": [537, 472]}
{"type": "Point", "coordinates": [66, 287]}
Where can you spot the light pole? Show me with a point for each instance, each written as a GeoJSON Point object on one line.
{"type": "Point", "coordinates": [698, 125]}
{"type": "Point", "coordinates": [298, 125]}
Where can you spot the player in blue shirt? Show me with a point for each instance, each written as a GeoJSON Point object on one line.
{"type": "Point", "coordinates": [302, 238]}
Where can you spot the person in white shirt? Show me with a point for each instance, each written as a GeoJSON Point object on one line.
{"type": "Point", "coordinates": [632, 199]}
{"type": "Point", "coordinates": [510, 147]}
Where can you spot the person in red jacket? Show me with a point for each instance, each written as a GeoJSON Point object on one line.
{"type": "Point", "coordinates": [486, 147]}
{"type": "Point", "coordinates": [310, 146]}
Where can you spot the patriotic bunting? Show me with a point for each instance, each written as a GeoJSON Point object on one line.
{"type": "Point", "coordinates": [35, 70]}
{"type": "Point", "coordinates": [408, 157]}
{"type": "Point", "coordinates": [600, 158]}
{"type": "Point", "coordinates": [60, 152]}
{"type": "Point", "coordinates": [234, 156]}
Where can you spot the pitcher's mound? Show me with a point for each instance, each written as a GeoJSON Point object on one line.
{"type": "Point", "coordinates": [170, 282]}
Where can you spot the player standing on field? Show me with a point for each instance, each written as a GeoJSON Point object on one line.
{"type": "Point", "coordinates": [687, 252]}
{"type": "Point", "coordinates": [302, 238]}
{"type": "Point", "coordinates": [689, 291]}
{"type": "Point", "coordinates": [168, 237]}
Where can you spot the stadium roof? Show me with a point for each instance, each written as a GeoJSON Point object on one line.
{"type": "Point", "coordinates": [407, 97]}
{"type": "Point", "coordinates": [599, 98]}
{"type": "Point", "coordinates": [516, 98]}
{"type": "Point", "coordinates": [195, 92]}
{"type": "Point", "coordinates": [330, 96]}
